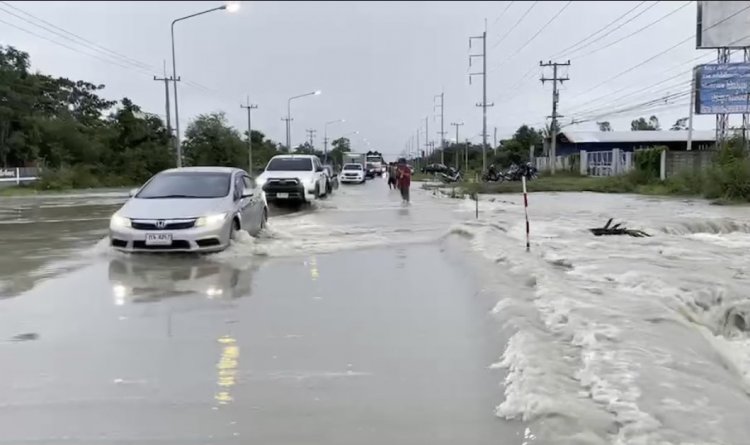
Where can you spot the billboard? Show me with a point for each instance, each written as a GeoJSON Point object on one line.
{"type": "Point", "coordinates": [723, 88]}
{"type": "Point", "coordinates": [723, 24]}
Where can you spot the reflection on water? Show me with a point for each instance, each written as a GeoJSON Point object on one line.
{"type": "Point", "coordinates": [227, 369]}
{"type": "Point", "coordinates": [146, 278]}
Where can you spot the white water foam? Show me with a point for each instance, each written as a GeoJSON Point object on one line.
{"type": "Point", "coordinates": [637, 337]}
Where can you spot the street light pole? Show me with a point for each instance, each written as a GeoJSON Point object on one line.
{"type": "Point", "coordinates": [325, 138]}
{"type": "Point", "coordinates": [178, 146]}
{"type": "Point", "coordinates": [289, 116]}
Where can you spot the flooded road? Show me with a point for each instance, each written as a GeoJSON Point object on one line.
{"type": "Point", "coordinates": [341, 325]}
{"type": "Point", "coordinates": [361, 321]}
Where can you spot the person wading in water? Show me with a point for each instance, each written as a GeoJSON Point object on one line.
{"type": "Point", "coordinates": [403, 181]}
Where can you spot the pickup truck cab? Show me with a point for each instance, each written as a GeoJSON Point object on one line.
{"type": "Point", "coordinates": [293, 178]}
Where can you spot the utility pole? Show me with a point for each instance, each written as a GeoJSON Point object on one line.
{"type": "Point", "coordinates": [494, 145]}
{"type": "Point", "coordinates": [166, 81]}
{"type": "Point", "coordinates": [457, 124]}
{"type": "Point", "coordinates": [249, 107]}
{"type": "Point", "coordinates": [555, 98]}
{"type": "Point", "coordinates": [484, 103]}
{"type": "Point", "coordinates": [442, 128]}
{"type": "Point", "coordinates": [427, 137]}
{"type": "Point", "coordinates": [311, 134]}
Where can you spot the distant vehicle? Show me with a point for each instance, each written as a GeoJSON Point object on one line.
{"type": "Point", "coordinates": [331, 178]}
{"type": "Point", "coordinates": [370, 171]}
{"type": "Point", "coordinates": [352, 173]}
{"type": "Point", "coordinates": [299, 178]}
{"type": "Point", "coordinates": [375, 161]}
{"type": "Point", "coordinates": [192, 209]}
{"type": "Point", "coordinates": [355, 158]}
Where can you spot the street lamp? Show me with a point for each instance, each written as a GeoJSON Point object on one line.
{"type": "Point", "coordinates": [230, 7]}
{"type": "Point", "coordinates": [289, 116]}
{"type": "Point", "coordinates": [325, 137]}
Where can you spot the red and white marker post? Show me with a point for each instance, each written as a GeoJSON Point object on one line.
{"type": "Point", "coordinates": [526, 211]}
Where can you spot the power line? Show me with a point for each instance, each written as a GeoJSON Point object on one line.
{"type": "Point", "coordinates": [100, 52]}
{"type": "Point", "coordinates": [77, 40]}
{"type": "Point", "coordinates": [72, 48]}
{"type": "Point", "coordinates": [596, 32]}
{"type": "Point", "coordinates": [613, 30]}
{"type": "Point", "coordinates": [634, 32]}
{"type": "Point", "coordinates": [518, 22]}
{"type": "Point", "coordinates": [538, 32]}
{"type": "Point", "coordinates": [502, 13]}
{"type": "Point", "coordinates": [667, 50]}
{"type": "Point", "coordinates": [531, 70]}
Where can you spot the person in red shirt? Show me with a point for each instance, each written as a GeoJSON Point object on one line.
{"type": "Point", "coordinates": [403, 179]}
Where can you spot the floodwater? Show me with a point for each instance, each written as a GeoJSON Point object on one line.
{"type": "Point", "coordinates": [361, 321]}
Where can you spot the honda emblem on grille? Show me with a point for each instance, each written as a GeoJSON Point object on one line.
{"type": "Point", "coordinates": [160, 224]}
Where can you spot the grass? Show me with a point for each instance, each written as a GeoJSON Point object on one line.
{"type": "Point", "coordinates": [636, 182]}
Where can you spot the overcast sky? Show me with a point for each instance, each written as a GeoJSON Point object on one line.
{"type": "Point", "coordinates": [378, 64]}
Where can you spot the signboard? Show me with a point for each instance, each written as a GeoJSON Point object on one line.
{"type": "Point", "coordinates": [723, 88]}
{"type": "Point", "coordinates": [723, 24]}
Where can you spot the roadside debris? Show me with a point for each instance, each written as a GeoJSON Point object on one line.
{"type": "Point", "coordinates": [617, 230]}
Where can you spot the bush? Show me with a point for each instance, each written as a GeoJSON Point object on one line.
{"type": "Point", "coordinates": [648, 161]}
{"type": "Point", "coordinates": [79, 176]}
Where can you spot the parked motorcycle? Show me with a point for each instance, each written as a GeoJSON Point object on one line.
{"type": "Point", "coordinates": [452, 176]}
{"type": "Point", "coordinates": [514, 173]}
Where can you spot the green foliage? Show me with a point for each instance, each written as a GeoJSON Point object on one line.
{"type": "Point", "coordinates": [339, 147]}
{"type": "Point", "coordinates": [648, 162]}
{"type": "Point", "coordinates": [81, 139]}
{"type": "Point", "coordinates": [641, 124]}
{"type": "Point", "coordinates": [604, 126]}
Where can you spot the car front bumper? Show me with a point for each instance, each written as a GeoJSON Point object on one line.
{"type": "Point", "coordinates": [196, 239]}
{"type": "Point", "coordinates": [351, 178]}
{"type": "Point", "coordinates": [291, 191]}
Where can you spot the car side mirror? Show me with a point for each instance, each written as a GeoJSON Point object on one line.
{"type": "Point", "coordinates": [318, 169]}
{"type": "Point", "coordinates": [132, 192]}
{"type": "Point", "coordinates": [247, 193]}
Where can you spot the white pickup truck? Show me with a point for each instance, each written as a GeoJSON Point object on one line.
{"type": "Point", "coordinates": [293, 178]}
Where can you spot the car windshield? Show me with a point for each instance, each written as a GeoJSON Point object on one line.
{"type": "Point", "coordinates": [353, 167]}
{"type": "Point", "coordinates": [187, 185]}
{"type": "Point", "coordinates": [290, 164]}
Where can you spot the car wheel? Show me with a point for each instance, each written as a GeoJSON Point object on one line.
{"type": "Point", "coordinates": [264, 219]}
{"type": "Point", "coordinates": [317, 191]}
{"type": "Point", "coordinates": [329, 188]}
{"type": "Point", "coordinates": [235, 228]}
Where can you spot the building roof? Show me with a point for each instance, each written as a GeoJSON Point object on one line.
{"type": "Point", "coordinates": [578, 137]}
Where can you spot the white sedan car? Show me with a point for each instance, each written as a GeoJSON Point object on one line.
{"type": "Point", "coordinates": [192, 209]}
{"type": "Point", "coordinates": [352, 173]}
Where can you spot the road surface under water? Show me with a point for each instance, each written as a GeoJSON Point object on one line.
{"type": "Point", "coordinates": [346, 323]}
{"type": "Point", "coordinates": [362, 321]}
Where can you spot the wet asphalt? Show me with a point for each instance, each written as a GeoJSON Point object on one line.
{"type": "Point", "coordinates": [385, 342]}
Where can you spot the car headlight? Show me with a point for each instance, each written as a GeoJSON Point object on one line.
{"type": "Point", "coordinates": [119, 221]}
{"type": "Point", "coordinates": [210, 220]}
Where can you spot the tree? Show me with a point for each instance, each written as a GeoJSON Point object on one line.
{"type": "Point", "coordinates": [528, 136]}
{"type": "Point", "coordinates": [209, 140]}
{"type": "Point", "coordinates": [83, 139]}
{"type": "Point", "coordinates": [641, 124]}
{"type": "Point", "coordinates": [680, 124]}
{"type": "Point", "coordinates": [339, 147]}
{"type": "Point", "coordinates": [604, 126]}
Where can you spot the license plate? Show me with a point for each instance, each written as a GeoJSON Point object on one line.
{"type": "Point", "coordinates": [282, 195]}
{"type": "Point", "coordinates": [158, 239]}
